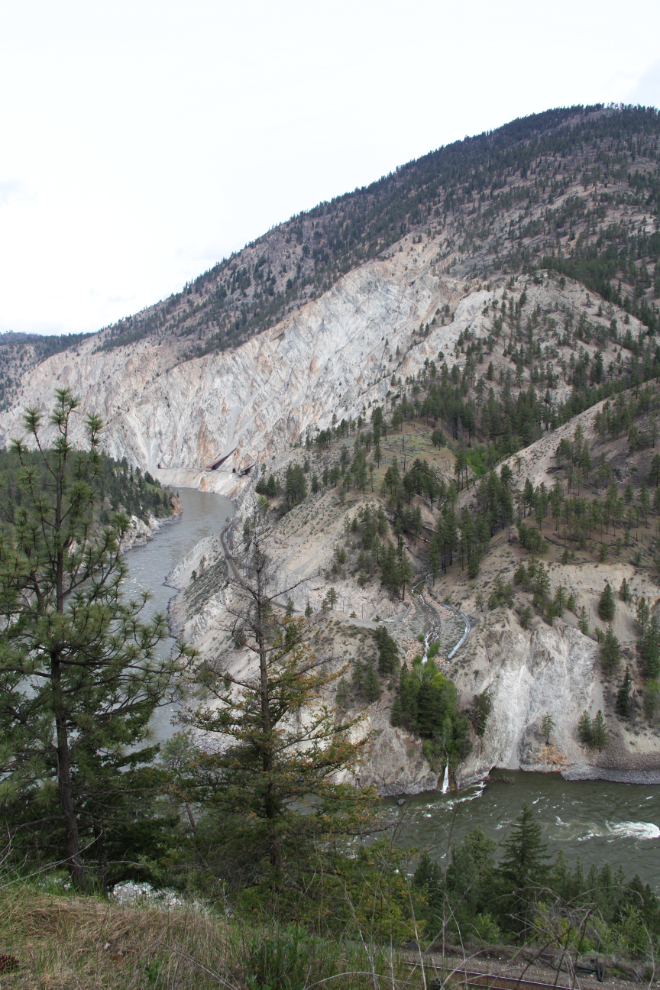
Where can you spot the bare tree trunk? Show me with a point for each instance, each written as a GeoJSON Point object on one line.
{"type": "Point", "coordinates": [71, 838]}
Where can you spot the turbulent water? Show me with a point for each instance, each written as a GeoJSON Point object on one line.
{"type": "Point", "coordinates": [597, 821]}
{"type": "Point", "coordinates": [203, 514]}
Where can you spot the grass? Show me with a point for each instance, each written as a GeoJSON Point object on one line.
{"type": "Point", "coordinates": [76, 943]}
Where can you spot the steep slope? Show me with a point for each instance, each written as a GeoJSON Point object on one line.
{"type": "Point", "coordinates": [571, 189]}
{"type": "Point", "coordinates": [455, 270]}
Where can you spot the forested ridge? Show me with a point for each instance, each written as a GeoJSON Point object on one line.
{"type": "Point", "coordinates": [553, 189]}
{"type": "Point", "coordinates": [574, 190]}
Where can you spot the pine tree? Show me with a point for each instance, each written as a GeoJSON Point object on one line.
{"type": "Point", "coordinates": [606, 604]}
{"type": "Point", "coordinates": [599, 733]}
{"type": "Point", "coordinates": [547, 725]}
{"type": "Point", "coordinates": [651, 649]}
{"type": "Point", "coordinates": [372, 689]}
{"type": "Point", "coordinates": [583, 624]}
{"type": "Point", "coordinates": [623, 696]}
{"type": "Point", "coordinates": [388, 652]}
{"type": "Point", "coordinates": [79, 673]}
{"type": "Point", "coordinates": [642, 615]}
{"type": "Point", "coordinates": [624, 591]}
{"type": "Point", "coordinates": [523, 871]}
{"type": "Point", "coordinates": [610, 651]}
{"type": "Point", "coordinates": [251, 788]}
{"type": "Point", "coordinates": [584, 728]}
{"type": "Point", "coordinates": [396, 715]}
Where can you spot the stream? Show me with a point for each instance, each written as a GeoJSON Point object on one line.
{"type": "Point", "coordinates": [595, 820]}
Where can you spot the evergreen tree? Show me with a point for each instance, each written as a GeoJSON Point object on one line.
{"type": "Point", "coordinates": [610, 652]}
{"type": "Point", "coordinates": [372, 689]}
{"type": "Point", "coordinates": [388, 651]}
{"type": "Point", "coordinates": [651, 649]}
{"type": "Point", "coordinates": [606, 604]}
{"type": "Point", "coordinates": [396, 715]}
{"type": "Point", "coordinates": [250, 827]}
{"type": "Point", "coordinates": [623, 696]}
{"type": "Point", "coordinates": [624, 591]}
{"type": "Point", "coordinates": [642, 615]}
{"type": "Point", "coordinates": [584, 728]}
{"type": "Point", "coordinates": [523, 871]}
{"type": "Point", "coordinates": [547, 725]}
{"type": "Point", "coordinates": [79, 673]}
{"type": "Point", "coordinates": [599, 733]}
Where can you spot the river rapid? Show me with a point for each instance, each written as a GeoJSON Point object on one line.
{"type": "Point", "coordinates": [594, 820]}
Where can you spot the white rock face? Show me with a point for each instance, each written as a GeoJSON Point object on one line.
{"type": "Point", "coordinates": [528, 674]}
{"type": "Point", "coordinates": [331, 358]}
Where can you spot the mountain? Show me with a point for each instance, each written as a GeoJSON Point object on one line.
{"type": "Point", "coordinates": [492, 301]}
{"type": "Point", "coordinates": [574, 191]}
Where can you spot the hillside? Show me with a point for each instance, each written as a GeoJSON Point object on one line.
{"type": "Point", "coordinates": [575, 189]}
{"type": "Point", "coordinates": [456, 321]}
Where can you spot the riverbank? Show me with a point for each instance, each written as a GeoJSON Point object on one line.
{"type": "Point", "coordinates": [140, 532]}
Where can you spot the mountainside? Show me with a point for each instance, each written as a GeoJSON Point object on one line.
{"type": "Point", "coordinates": [577, 185]}
{"type": "Point", "coordinates": [460, 357]}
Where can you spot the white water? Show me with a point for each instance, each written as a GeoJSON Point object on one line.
{"type": "Point", "coordinates": [445, 779]}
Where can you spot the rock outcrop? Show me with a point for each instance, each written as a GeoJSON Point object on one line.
{"type": "Point", "coordinates": [545, 670]}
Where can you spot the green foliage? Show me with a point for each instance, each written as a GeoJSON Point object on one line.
{"type": "Point", "coordinates": [610, 652]}
{"type": "Point", "coordinates": [584, 728]}
{"type": "Point", "coordinates": [501, 593]}
{"type": "Point", "coordinates": [623, 696]}
{"type": "Point", "coordinates": [429, 707]}
{"type": "Point", "coordinates": [388, 652]}
{"type": "Point", "coordinates": [547, 725]}
{"type": "Point", "coordinates": [651, 695]}
{"type": "Point", "coordinates": [651, 649]}
{"type": "Point", "coordinates": [531, 539]}
{"type": "Point", "coordinates": [481, 709]}
{"type": "Point", "coordinates": [250, 830]}
{"type": "Point", "coordinates": [606, 604]}
{"type": "Point", "coordinates": [116, 488]}
{"type": "Point", "coordinates": [372, 690]}
{"type": "Point", "coordinates": [395, 568]}
{"type": "Point", "coordinates": [80, 675]}
{"type": "Point", "coordinates": [477, 460]}
{"type": "Point", "coordinates": [599, 733]}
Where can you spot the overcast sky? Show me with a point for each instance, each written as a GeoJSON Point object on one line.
{"type": "Point", "coordinates": [142, 141]}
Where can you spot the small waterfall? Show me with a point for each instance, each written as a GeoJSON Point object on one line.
{"type": "Point", "coordinates": [427, 640]}
{"type": "Point", "coordinates": [445, 779]}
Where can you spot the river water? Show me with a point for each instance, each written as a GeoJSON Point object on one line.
{"type": "Point", "coordinates": [203, 514]}
{"type": "Point", "coordinates": [595, 820]}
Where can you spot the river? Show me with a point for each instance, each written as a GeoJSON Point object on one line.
{"type": "Point", "coordinates": [595, 820]}
{"type": "Point", "coordinates": [148, 566]}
